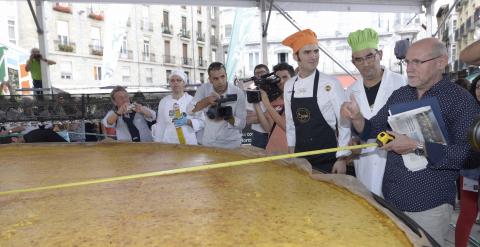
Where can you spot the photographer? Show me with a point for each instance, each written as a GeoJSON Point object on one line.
{"type": "Point", "coordinates": [224, 105]}
{"type": "Point", "coordinates": [274, 117]}
{"type": "Point", "coordinates": [260, 134]}
{"type": "Point", "coordinates": [129, 120]}
{"type": "Point", "coordinates": [34, 67]}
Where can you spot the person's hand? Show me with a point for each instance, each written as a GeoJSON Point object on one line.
{"type": "Point", "coordinates": [352, 142]}
{"type": "Point", "coordinates": [340, 166]}
{"type": "Point", "coordinates": [251, 117]}
{"type": "Point", "coordinates": [351, 110]}
{"type": "Point", "coordinates": [139, 108]}
{"type": "Point", "coordinates": [402, 144]}
{"type": "Point", "coordinates": [179, 122]}
{"type": "Point", "coordinates": [123, 108]}
{"type": "Point", "coordinates": [265, 99]}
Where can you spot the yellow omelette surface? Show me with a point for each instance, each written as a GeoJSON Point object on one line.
{"type": "Point", "coordinates": [267, 204]}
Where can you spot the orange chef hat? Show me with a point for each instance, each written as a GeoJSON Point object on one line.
{"type": "Point", "coordinates": [300, 39]}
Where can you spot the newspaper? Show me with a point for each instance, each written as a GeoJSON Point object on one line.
{"type": "Point", "coordinates": [421, 125]}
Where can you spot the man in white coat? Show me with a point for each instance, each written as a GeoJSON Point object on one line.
{"type": "Point", "coordinates": [371, 93]}
{"type": "Point", "coordinates": [167, 123]}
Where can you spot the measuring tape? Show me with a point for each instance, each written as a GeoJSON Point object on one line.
{"type": "Point", "coordinates": [198, 168]}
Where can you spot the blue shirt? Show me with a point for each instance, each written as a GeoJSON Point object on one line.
{"type": "Point", "coordinates": [431, 187]}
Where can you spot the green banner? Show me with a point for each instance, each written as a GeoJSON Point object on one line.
{"type": "Point", "coordinates": [3, 60]}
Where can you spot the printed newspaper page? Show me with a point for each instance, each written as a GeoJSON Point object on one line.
{"type": "Point", "coordinates": [419, 124]}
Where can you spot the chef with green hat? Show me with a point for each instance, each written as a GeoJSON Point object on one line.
{"type": "Point", "coordinates": [371, 92]}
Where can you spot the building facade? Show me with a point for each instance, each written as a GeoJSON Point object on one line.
{"type": "Point", "coordinates": [158, 40]}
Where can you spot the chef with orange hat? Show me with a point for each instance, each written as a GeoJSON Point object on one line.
{"type": "Point", "coordinates": [312, 107]}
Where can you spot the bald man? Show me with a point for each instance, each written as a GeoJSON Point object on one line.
{"type": "Point", "coordinates": [426, 195]}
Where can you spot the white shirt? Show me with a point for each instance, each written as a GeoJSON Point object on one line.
{"type": "Point", "coordinates": [220, 133]}
{"type": "Point", "coordinates": [140, 121]}
{"type": "Point", "coordinates": [330, 97]}
{"type": "Point", "coordinates": [164, 130]}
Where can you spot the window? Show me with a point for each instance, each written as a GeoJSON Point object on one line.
{"type": "Point", "coordinates": [214, 55]}
{"type": "Point", "coordinates": [454, 52]}
{"type": "Point", "coordinates": [66, 70]}
{"type": "Point", "coordinates": [97, 72]}
{"type": "Point", "coordinates": [62, 32]}
{"type": "Point", "coordinates": [202, 77]}
{"type": "Point", "coordinates": [126, 74]}
{"type": "Point", "coordinates": [282, 57]}
{"type": "Point", "coordinates": [11, 32]}
{"type": "Point", "coordinates": [166, 22]}
{"type": "Point", "coordinates": [96, 38]}
{"type": "Point", "coordinates": [146, 47]}
{"type": "Point", "coordinates": [124, 47]}
{"type": "Point", "coordinates": [168, 73]}
{"type": "Point", "coordinates": [253, 60]}
{"type": "Point", "coordinates": [199, 10]}
{"type": "Point", "coordinates": [188, 77]}
{"type": "Point", "coordinates": [148, 75]}
{"type": "Point", "coordinates": [166, 47]}
{"type": "Point", "coordinates": [228, 30]}
{"type": "Point", "coordinates": [212, 12]}
{"type": "Point", "coordinates": [184, 7]}
{"type": "Point", "coordinates": [184, 23]}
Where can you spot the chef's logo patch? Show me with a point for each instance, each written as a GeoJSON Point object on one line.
{"type": "Point", "coordinates": [303, 115]}
{"type": "Point", "coordinates": [328, 88]}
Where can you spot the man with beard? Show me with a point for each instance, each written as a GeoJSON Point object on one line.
{"type": "Point", "coordinates": [371, 92]}
{"type": "Point", "coordinates": [312, 107]}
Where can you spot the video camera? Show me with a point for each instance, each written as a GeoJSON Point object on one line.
{"type": "Point", "coordinates": [269, 84]}
{"type": "Point", "coordinates": [218, 111]}
{"type": "Point", "coordinates": [474, 134]}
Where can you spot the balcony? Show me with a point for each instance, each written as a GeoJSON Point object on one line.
{"type": "Point", "coordinates": [200, 37]}
{"type": "Point", "coordinates": [146, 26]}
{"type": "Point", "coordinates": [126, 54]}
{"type": "Point", "coordinates": [62, 8]}
{"type": "Point", "coordinates": [187, 61]}
{"type": "Point", "coordinates": [98, 16]}
{"type": "Point", "coordinates": [202, 63]}
{"type": "Point", "coordinates": [184, 33]}
{"type": "Point", "coordinates": [213, 41]}
{"type": "Point", "coordinates": [169, 59]}
{"type": "Point", "coordinates": [167, 29]}
{"type": "Point", "coordinates": [96, 50]}
{"type": "Point", "coordinates": [148, 57]}
{"type": "Point", "coordinates": [65, 47]}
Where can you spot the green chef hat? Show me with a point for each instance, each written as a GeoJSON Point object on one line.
{"type": "Point", "coordinates": [363, 39]}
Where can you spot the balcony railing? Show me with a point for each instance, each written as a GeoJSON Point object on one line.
{"type": "Point", "coordinates": [213, 40]}
{"type": "Point", "coordinates": [65, 47]}
{"type": "Point", "coordinates": [200, 37]}
{"type": "Point", "coordinates": [184, 33]}
{"type": "Point", "coordinates": [96, 50]}
{"type": "Point", "coordinates": [167, 29]}
{"type": "Point", "coordinates": [146, 26]}
{"type": "Point", "coordinates": [187, 61]}
{"type": "Point", "coordinates": [128, 54]}
{"type": "Point", "coordinates": [149, 57]}
{"type": "Point", "coordinates": [169, 59]}
{"type": "Point", "coordinates": [62, 8]}
{"type": "Point", "coordinates": [202, 63]}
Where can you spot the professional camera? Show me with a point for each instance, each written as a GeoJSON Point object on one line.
{"type": "Point", "coordinates": [474, 134]}
{"type": "Point", "coordinates": [269, 84]}
{"type": "Point", "coordinates": [218, 111]}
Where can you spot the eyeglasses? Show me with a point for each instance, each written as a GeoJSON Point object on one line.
{"type": "Point", "coordinates": [416, 62]}
{"type": "Point", "coordinates": [369, 58]}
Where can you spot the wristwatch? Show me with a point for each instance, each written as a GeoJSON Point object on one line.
{"type": "Point", "coordinates": [420, 149]}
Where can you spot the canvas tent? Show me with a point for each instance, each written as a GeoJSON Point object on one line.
{"type": "Point", "coordinates": [398, 6]}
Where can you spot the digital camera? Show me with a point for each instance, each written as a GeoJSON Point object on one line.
{"type": "Point", "coordinates": [221, 112]}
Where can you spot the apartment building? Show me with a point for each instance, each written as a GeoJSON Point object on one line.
{"type": "Point", "coordinates": [466, 27]}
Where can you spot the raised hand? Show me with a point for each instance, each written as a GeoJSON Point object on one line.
{"type": "Point", "coordinates": [350, 109]}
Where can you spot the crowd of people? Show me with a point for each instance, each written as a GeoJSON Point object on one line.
{"type": "Point", "coordinates": [314, 112]}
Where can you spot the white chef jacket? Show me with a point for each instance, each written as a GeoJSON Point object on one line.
{"type": "Point", "coordinates": [330, 98]}
{"type": "Point", "coordinates": [220, 133]}
{"type": "Point", "coordinates": [164, 130]}
{"type": "Point", "coordinates": [370, 166]}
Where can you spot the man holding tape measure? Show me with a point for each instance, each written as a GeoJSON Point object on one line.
{"type": "Point", "coordinates": [426, 195]}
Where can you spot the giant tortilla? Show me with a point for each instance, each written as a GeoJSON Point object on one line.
{"type": "Point", "coordinates": [266, 204]}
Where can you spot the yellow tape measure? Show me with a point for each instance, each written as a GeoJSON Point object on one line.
{"type": "Point", "coordinates": [187, 169]}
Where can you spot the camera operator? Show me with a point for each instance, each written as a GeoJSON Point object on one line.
{"type": "Point", "coordinates": [273, 119]}
{"type": "Point", "coordinates": [129, 120]}
{"type": "Point", "coordinates": [224, 105]}
{"type": "Point", "coordinates": [260, 134]}
{"type": "Point", "coordinates": [34, 67]}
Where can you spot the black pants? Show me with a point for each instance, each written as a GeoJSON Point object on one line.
{"type": "Point", "coordinates": [37, 84]}
{"type": "Point", "coordinates": [259, 139]}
